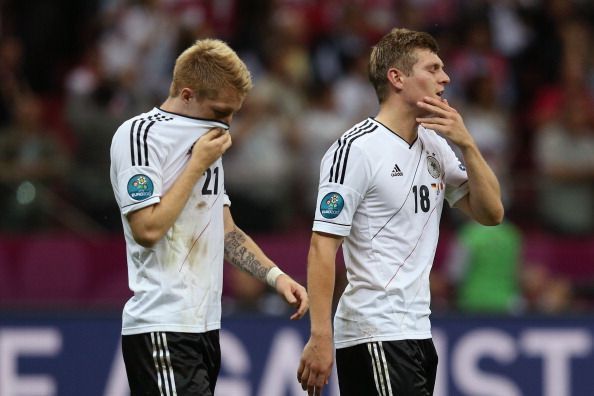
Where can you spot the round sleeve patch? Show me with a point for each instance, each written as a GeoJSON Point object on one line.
{"type": "Point", "coordinates": [331, 205]}
{"type": "Point", "coordinates": [140, 187]}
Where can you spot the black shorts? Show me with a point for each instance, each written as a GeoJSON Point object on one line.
{"type": "Point", "coordinates": [166, 363]}
{"type": "Point", "coordinates": [406, 367]}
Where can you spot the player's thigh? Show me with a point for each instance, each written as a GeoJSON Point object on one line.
{"type": "Point", "coordinates": [406, 367]}
{"type": "Point", "coordinates": [165, 362]}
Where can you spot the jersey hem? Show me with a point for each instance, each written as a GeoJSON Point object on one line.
{"type": "Point", "coordinates": [457, 195]}
{"type": "Point", "coordinates": [331, 228]}
{"type": "Point", "coordinates": [139, 205]}
{"type": "Point", "coordinates": [171, 328]}
{"type": "Point", "coordinates": [388, 337]}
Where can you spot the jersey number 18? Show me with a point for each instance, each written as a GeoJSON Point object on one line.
{"type": "Point", "coordinates": [421, 198]}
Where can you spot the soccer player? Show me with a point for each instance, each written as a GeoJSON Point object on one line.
{"type": "Point", "coordinates": [168, 179]}
{"type": "Point", "coordinates": [381, 192]}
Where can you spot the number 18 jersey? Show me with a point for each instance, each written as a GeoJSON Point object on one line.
{"type": "Point", "coordinates": [386, 197]}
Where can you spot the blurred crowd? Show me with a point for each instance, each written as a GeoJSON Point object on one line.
{"type": "Point", "coordinates": [522, 75]}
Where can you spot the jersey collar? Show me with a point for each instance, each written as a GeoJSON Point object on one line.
{"type": "Point", "coordinates": [217, 122]}
{"type": "Point", "coordinates": [396, 133]}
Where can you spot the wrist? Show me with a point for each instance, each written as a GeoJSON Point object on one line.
{"type": "Point", "coordinates": [468, 145]}
{"type": "Point", "coordinates": [195, 171]}
{"type": "Point", "coordinates": [321, 333]}
{"type": "Point", "coordinates": [272, 276]}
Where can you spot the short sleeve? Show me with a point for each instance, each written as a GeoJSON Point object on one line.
{"type": "Point", "coordinates": [344, 180]}
{"type": "Point", "coordinates": [226, 199]}
{"type": "Point", "coordinates": [139, 187]}
{"type": "Point", "coordinates": [137, 179]}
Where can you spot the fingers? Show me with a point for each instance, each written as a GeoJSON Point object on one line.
{"type": "Point", "coordinates": [310, 381]}
{"type": "Point", "coordinates": [434, 106]}
{"type": "Point", "coordinates": [441, 118]}
{"type": "Point", "coordinates": [227, 142]}
{"type": "Point", "coordinates": [303, 375]}
{"type": "Point", "coordinates": [314, 391]}
{"type": "Point", "coordinates": [290, 297]}
{"type": "Point", "coordinates": [433, 120]}
{"type": "Point", "coordinates": [299, 299]}
{"type": "Point", "coordinates": [303, 304]}
{"type": "Point", "coordinates": [439, 102]}
{"type": "Point", "coordinates": [315, 366]}
{"type": "Point", "coordinates": [217, 134]}
{"type": "Point", "coordinates": [294, 294]}
{"type": "Point", "coordinates": [221, 136]}
{"type": "Point", "coordinates": [300, 370]}
{"type": "Point", "coordinates": [216, 138]}
{"type": "Point", "coordinates": [214, 133]}
{"type": "Point", "coordinates": [315, 384]}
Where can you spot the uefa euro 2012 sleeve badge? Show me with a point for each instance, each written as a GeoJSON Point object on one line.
{"type": "Point", "coordinates": [331, 205]}
{"type": "Point", "coordinates": [140, 187]}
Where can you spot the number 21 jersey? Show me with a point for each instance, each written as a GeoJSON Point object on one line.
{"type": "Point", "coordinates": [177, 283]}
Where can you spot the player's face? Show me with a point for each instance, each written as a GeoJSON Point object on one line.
{"type": "Point", "coordinates": [222, 108]}
{"type": "Point", "coordinates": [427, 78]}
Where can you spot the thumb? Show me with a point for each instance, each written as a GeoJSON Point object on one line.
{"type": "Point", "coordinates": [214, 133]}
{"type": "Point", "coordinates": [290, 297]}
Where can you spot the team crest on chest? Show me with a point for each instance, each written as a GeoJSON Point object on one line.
{"type": "Point", "coordinates": [433, 167]}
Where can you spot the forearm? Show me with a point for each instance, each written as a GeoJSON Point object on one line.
{"type": "Point", "coordinates": [320, 286]}
{"type": "Point", "coordinates": [149, 225]}
{"type": "Point", "coordinates": [245, 254]}
{"type": "Point", "coordinates": [484, 191]}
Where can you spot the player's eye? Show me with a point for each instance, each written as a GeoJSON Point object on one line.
{"type": "Point", "coordinates": [221, 113]}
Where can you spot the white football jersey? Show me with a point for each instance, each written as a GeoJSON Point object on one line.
{"type": "Point", "coordinates": [177, 283]}
{"type": "Point", "coordinates": [385, 197]}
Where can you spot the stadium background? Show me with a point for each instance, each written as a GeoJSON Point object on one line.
{"type": "Point", "coordinates": [512, 305]}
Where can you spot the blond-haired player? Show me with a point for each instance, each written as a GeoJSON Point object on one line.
{"type": "Point", "coordinates": [168, 179]}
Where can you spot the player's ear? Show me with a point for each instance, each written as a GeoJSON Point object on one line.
{"type": "Point", "coordinates": [395, 78]}
{"type": "Point", "coordinates": [186, 94]}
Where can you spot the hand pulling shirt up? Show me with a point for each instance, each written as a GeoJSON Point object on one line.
{"type": "Point", "coordinates": [177, 283]}
{"type": "Point", "coordinates": [385, 197]}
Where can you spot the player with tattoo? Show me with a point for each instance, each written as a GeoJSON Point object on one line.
{"type": "Point", "coordinates": [168, 180]}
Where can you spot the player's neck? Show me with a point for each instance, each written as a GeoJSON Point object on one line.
{"type": "Point", "coordinates": [174, 105]}
{"type": "Point", "coordinates": [399, 120]}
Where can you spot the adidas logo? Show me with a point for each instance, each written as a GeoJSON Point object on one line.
{"type": "Point", "coordinates": [396, 171]}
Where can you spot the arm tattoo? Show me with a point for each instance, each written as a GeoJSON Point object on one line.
{"type": "Point", "coordinates": [238, 255]}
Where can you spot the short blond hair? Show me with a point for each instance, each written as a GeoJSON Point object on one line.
{"type": "Point", "coordinates": [206, 67]}
{"type": "Point", "coordinates": [396, 49]}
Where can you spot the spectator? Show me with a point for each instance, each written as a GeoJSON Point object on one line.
{"type": "Point", "coordinates": [564, 151]}
{"type": "Point", "coordinates": [33, 167]}
{"type": "Point", "coordinates": [259, 169]}
{"type": "Point", "coordinates": [485, 266]}
{"type": "Point", "coordinates": [491, 125]}
{"type": "Point", "coordinates": [12, 79]}
{"type": "Point", "coordinates": [544, 291]}
{"type": "Point", "coordinates": [139, 38]}
{"type": "Point", "coordinates": [477, 57]}
{"type": "Point", "coordinates": [319, 127]}
{"type": "Point", "coordinates": [95, 106]}
{"type": "Point", "coordinates": [353, 95]}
